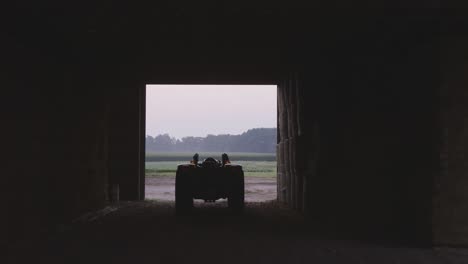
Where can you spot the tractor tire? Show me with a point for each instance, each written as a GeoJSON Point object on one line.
{"type": "Point", "coordinates": [236, 194]}
{"type": "Point", "coordinates": [183, 196]}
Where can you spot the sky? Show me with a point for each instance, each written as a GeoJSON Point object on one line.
{"type": "Point", "coordinates": [199, 110]}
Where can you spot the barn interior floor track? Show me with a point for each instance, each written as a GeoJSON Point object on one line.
{"type": "Point", "coordinates": [151, 232]}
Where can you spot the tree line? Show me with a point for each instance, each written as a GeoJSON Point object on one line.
{"type": "Point", "coordinates": [257, 140]}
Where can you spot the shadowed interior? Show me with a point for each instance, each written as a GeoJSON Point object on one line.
{"type": "Point", "coordinates": [372, 109]}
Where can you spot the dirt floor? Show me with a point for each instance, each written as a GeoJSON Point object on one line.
{"type": "Point", "coordinates": [151, 232]}
{"type": "Point", "coordinates": [257, 189]}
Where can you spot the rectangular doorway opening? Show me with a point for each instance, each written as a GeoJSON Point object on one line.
{"type": "Point", "coordinates": [210, 120]}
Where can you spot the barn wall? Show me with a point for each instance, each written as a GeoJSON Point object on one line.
{"type": "Point", "coordinates": [450, 193]}
{"type": "Point", "coordinates": [57, 138]}
{"type": "Point", "coordinates": [125, 135]}
{"type": "Point", "coordinates": [358, 98]}
{"type": "Point", "coordinates": [358, 132]}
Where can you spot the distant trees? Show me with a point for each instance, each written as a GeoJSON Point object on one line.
{"type": "Point", "coordinates": [162, 142]}
{"type": "Point", "coordinates": [257, 140]}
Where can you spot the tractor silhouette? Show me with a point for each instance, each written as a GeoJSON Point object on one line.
{"type": "Point", "coordinates": [209, 180]}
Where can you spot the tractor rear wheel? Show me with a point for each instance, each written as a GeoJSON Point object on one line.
{"type": "Point", "coordinates": [236, 194]}
{"type": "Point", "coordinates": [183, 196]}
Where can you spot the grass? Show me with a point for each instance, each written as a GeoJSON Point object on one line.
{"type": "Point", "coordinates": [187, 156]}
{"type": "Point", "coordinates": [251, 168]}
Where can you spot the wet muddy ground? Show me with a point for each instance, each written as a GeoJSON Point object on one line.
{"type": "Point", "coordinates": [257, 189]}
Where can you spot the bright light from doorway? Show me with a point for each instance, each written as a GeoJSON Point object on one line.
{"type": "Point", "coordinates": [211, 119]}
{"type": "Point", "coordinates": [199, 110]}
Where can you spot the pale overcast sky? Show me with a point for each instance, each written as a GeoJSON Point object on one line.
{"type": "Point", "coordinates": [198, 110]}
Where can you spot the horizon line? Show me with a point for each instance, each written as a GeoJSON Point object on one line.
{"type": "Point", "coordinates": [213, 134]}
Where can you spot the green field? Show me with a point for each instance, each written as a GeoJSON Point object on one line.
{"type": "Point", "coordinates": [251, 168]}
{"type": "Point", "coordinates": [234, 156]}
{"type": "Point", "coordinates": [254, 164]}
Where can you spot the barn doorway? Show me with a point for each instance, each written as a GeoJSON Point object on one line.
{"type": "Point", "coordinates": [240, 120]}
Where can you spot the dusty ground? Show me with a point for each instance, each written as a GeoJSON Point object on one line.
{"type": "Point", "coordinates": [151, 232]}
{"type": "Point", "coordinates": [257, 189]}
